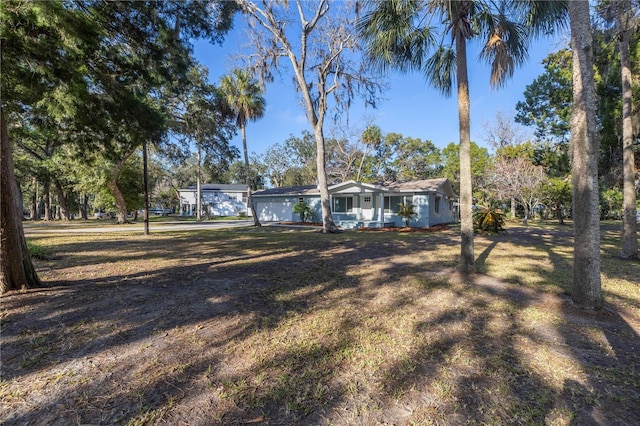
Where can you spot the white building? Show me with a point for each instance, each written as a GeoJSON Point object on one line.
{"type": "Point", "coordinates": [218, 199]}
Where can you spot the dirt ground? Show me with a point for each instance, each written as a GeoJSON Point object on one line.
{"type": "Point", "coordinates": [280, 326]}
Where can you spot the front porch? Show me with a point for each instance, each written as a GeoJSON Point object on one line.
{"type": "Point", "coordinates": [357, 224]}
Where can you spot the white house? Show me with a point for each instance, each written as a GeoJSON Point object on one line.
{"type": "Point", "coordinates": [218, 199]}
{"type": "Point", "coordinates": [356, 204]}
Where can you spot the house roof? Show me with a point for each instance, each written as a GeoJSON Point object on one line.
{"type": "Point", "coordinates": [289, 190]}
{"type": "Point", "coordinates": [360, 185]}
{"type": "Point", "coordinates": [224, 187]}
{"type": "Point", "coordinates": [424, 185]}
{"type": "Point", "coordinates": [427, 185]}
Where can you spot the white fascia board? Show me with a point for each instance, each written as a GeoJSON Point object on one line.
{"type": "Point", "coordinates": [353, 186]}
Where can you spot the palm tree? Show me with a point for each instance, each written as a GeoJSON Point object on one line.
{"type": "Point", "coordinates": [586, 284]}
{"type": "Point", "coordinates": [407, 212]}
{"type": "Point", "coordinates": [623, 12]}
{"type": "Point", "coordinates": [398, 35]}
{"type": "Point", "coordinates": [244, 97]}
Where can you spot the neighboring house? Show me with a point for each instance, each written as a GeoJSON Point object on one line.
{"type": "Point", "coordinates": [355, 204]}
{"type": "Point", "coordinates": [218, 199]}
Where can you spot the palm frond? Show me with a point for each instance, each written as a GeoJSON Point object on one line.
{"type": "Point", "coordinates": [506, 46]}
{"type": "Point", "coordinates": [440, 69]}
{"type": "Point", "coordinates": [243, 95]}
{"type": "Point", "coordinates": [542, 17]}
{"type": "Point", "coordinates": [391, 38]}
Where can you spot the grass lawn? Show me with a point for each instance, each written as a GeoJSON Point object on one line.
{"type": "Point", "coordinates": [282, 326]}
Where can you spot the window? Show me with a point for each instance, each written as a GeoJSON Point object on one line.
{"type": "Point", "coordinates": [392, 204]}
{"type": "Point", "coordinates": [367, 199]}
{"type": "Point", "coordinates": [436, 205]}
{"type": "Point", "coordinates": [342, 204]}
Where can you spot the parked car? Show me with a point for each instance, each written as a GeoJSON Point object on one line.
{"type": "Point", "coordinates": [160, 212]}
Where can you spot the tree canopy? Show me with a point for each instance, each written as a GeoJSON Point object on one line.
{"type": "Point", "coordinates": [95, 76]}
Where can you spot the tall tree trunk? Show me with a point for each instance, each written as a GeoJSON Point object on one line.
{"type": "Point", "coordinates": [47, 200]}
{"type": "Point", "coordinates": [327, 218]}
{"type": "Point", "coordinates": [84, 208]}
{"type": "Point", "coordinates": [586, 285]}
{"type": "Point", "coordinates": [145, 188]}
{"type": "Point", "coordinates": [513, 208]}
{"type": "Point", "coordinates": [629, 218]}
{"type": "Point", "coordinates": [199, 181]}
{"type": "Point", "coordinates": [559, 214]}
{"type": "Point", "coordinates": [316, 119]}
{"type": "Point", "coordinates": [41, 206]}
{"type": "Point", "coordinates": [16, 268]}
{"type": "Point", "coordinates": [247, 171]}
{"type": "Point", "coordinates": [121, 203]}
{"type": "Point", "coordinates": [33, 208]}
{"type": "Point", "coordinates": [62, 200]}
{"type": "Point", "coordinates": [467, 262]}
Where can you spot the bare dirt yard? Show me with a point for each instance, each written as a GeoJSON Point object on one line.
{"type": "Point", "coordinates": [284, 326]}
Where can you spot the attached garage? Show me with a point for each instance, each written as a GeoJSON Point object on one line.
{"type": "Point", "coordinates": [276, 204]}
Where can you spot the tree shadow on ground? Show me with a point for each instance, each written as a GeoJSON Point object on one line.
{"type": "Point", "coordinates": [300, 328]}
{"type": "Point", "coordinates": [603, 345]}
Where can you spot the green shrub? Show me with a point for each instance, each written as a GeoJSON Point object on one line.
{"type": "Point", "coordinates": [488, 219]}
{"type": "Point", "coordinates": [36, 251]}
{"type": "Point", "coordinates": [303, 210]}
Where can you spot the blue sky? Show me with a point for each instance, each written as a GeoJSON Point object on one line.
{"type": "Point", "coordinates": [409, 106]}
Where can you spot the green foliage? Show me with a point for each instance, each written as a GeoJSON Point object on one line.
{"type": "Point", "coordinates": [96, 76]}
{"type": "Point", "coordinates": [407, 212]}
{"type": "Point", "coordinates": [611, 204]}
{"type": "Point", "coordinates": [393, 156]}
{"type": "Point", "coordinates": [416, 159]}
{"type": "Point", "coordinates": [207, 120]}
{"type": "Point", "coordinates": [37, 251]}
{"type": "Point", "coordinates": [488, 219]}
{"type": "Point", "coordinates": [237, 173]}
{"type": "Point", "coordinates": [480, 162]}
{"type": "Point", "coordinates": [304, 210]}
{"type": "Point", "coordinates": [130, 181]}
{"type": "Point", "coordinates": [411, 35]}
{"type": "Point", "coordinates": [557, 195]}
{"type": "Point", "coordinates": [547, 104]}
{"type": "Point", "coordinates": [526, 150]}
{"type": "Point", "coordinates": [609, 92]}
{"type": "Point", "coordinates": [243, 96]}
{"type": "Point", "coordinates": [554, 157]}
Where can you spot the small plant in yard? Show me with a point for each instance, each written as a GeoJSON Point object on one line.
{"type": "Point", "coordinates": [407, 212]}
{"type": "Point", "coordinates": [304, 210]}
{"type": "Point", "coordinates": [37, 251]}
{"type": "Point", "coordinates": [488, 219]}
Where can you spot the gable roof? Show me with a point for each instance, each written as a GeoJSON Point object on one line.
{"type": "Point", "coordinates": [360, 185]}
{"type": "Point", "coordinates": [426, 185]}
